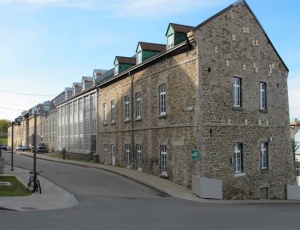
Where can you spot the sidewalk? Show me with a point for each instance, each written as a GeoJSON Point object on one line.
{"type": "Point", "coordinates": [53, 197]}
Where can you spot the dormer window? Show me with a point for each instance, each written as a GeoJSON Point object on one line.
{"type": "Point", "coordinates": [116, 70]}
{"type": "Point", "coordinates": [176, 34]}
{"type": "Point", "coordinates": [170, 43]}
{"type": "Point", "coordinates": [139, 57]}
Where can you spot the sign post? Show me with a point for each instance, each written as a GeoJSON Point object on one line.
{"type": "Point", "coordinates": [195, 154]}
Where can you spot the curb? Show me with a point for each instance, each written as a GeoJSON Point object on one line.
{"type": "Point", "coordinates": [185, 193]}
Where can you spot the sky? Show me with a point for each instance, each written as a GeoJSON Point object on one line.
{"type": "Point", "coordinates": [46, 45]}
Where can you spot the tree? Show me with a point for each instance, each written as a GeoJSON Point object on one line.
{"type": "Point", "coordinates": [3, 125]}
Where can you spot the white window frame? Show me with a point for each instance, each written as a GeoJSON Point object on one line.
{"type": "Point", "coordinates": [264, 155]}
{"type": "Point", "coordinates": [126, 108]}
{"type": "Point", "coordinates": [113, 111]}
{"type": "Point", "coordinates": [162, 100]}
{"type": "Point", "coordinates": [139, 157]}
{"type": "Point", "coordinates": [163, 160]}
{"type": "Point", "coordinates": [238, 158]}
{"type": "Point", "coordinates": [138, 112]}
{"type": "Point", "coordinates": [139, 57]}
{"type": "Point", "coordinates": [170, 41]}
{"type": "Point", "coordinates": [104, 113]}
{"type": "Point", "coordinates": [237, 96]}
{"type": "Point", "coordinates": [116, 69]}
{"type": "Point", "coordinates": [262, 95]}
{"type": "Point", "coordinates": [127, 155]}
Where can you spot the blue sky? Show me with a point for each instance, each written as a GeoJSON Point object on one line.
{"type": "Point", "coordinates": [46, 45]}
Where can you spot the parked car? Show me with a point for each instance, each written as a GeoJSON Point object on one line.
{"type": "Point", "coordinates": [41, 148]}
{"type": "Point", "coordinates": [19, 147]}
{"type": "Point", "coordinates": [4, 147]}
{"type": "Point", "coordinates": [25, 148]}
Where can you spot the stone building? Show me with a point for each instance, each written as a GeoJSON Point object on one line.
{"type": "Point", "coordinates": [219, 91]}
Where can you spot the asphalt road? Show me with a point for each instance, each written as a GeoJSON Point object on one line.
{"type": "Point", "coordinates": [112, 202]}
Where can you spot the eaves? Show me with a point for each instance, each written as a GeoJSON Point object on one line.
{"type": "Point", "coordinates": [76, 95]}
{"type": "Point", "coordinates": [182, 47]}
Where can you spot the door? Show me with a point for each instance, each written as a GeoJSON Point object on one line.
{"type": "Point", "coordinates": [113, 156]}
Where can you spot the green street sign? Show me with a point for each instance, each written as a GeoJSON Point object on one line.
{"type": "Point", "coordinates": [195, 154]}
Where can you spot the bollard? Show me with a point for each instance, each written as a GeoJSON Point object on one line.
{"type": "Point", "coordinates": [1, 165]}
{"type": "Point", "coordinates": [63, 151]}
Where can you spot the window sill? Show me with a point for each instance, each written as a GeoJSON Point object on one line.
{"type": "Point", "coordinates": [139, 118]}
{"type": "Point", "coordinates": [126, 120]}
{"type": "Point", "coordinates": [112, 122]}
{"type": "Point", "coordinates": [140, 170]}
{"type": "Point", "coordinates": [239, 174]}
{"type": "Point", "coordinates": [105, 123]}
{"type": "Point", "coordinates": [163, 115]}
{"type": "Point", "coordinates": [264, 170]}
{"type": "Point", "coordinates": [237, 108]}
{"type": "Point", "coordinates": [164, 175]}
{"type": "Point", "coordinates": [263, 110]}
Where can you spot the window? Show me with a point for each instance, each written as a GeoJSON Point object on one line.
{"type": "Point", "coordinates": [264, 152]}
{"type": "Point", "coordinates": [163, 160]}
{"type": "Point", "coordinates": [139, 57]}
{"type": "Point", "coordinates": [104, 113]}
{"type": "Point", "coordinates": [170, 41]}
{"type": "Point", "coordinates": [113, 112]}
{"type": "Point", "coordinates": [116, 69]}
{"type": "Point", "coordinates": [238, 158]}
{"type": "Point", "coordinates": [126, 108]}
{"type": "Point", "coordinates": [162, 100]}
{"type": "Point", "coordinates": [139, 156]}
{"type": "Point", "coordinates": [127, 155]}
{"type": "Point", "coordinates": [237, 97]}
{"type": "Point", "coordinates": [138, 114]}
{"type": "Point", "coordinates": [262, 96]}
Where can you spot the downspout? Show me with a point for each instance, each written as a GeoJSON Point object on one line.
{"type": "Point", "coordinates": [131, 118]}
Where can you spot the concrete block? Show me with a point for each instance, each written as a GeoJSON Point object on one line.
{"type": "Point", "coordinates": [207, 188]}
{"type": "Point", "coordinates": [292, 192]}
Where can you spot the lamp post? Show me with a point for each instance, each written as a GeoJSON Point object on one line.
{"type": "Point", "coordinates": [17, 121]}
{"type": "Point", "coordinates": [45, 108]}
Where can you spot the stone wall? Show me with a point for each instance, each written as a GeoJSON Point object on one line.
{"type": "Point", "coordinates": [177, 130]}
{"type": "Point", "coordinates": [200, 113]}
{"type": "Point", "coordinates": [233, 44]}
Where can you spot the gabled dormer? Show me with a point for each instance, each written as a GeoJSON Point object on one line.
{"type": "Point", "coordinates": [108, 74]}
{"type": "Point", "coordinates": [176, 34]}
{"type": "Point", "coordinates": [97, 73]}
{"type": "Point", "coordinates": [123, 63]}
{"type": "Point", "coordinates": [146, 50]}
{"type": "Point", "coordinates": [87, 82]}
{"type": "Point", "coordinates": [77, 87]}
{"type": "Point", "coordinates": [68, 92]}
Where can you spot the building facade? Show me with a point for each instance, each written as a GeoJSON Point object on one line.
{"type": "Point", "coordinates": [219, 91]}
{"type": "Point", "coordinates": [77, 119]}
{"type": "Point", "coordinates": [211, 102]}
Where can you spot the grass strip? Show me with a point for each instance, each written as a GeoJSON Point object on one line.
{"type": "Point", "coordinates": [15, 189]}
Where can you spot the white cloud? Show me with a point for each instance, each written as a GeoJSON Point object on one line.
{"type": "Point", "coordinates": [127, 8]}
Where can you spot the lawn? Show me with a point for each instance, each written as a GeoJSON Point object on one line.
{"type": "Point", "coordinates": [15, 189]}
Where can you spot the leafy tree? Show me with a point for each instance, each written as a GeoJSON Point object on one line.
{"type": "Point", "coordinates": [3, 125]}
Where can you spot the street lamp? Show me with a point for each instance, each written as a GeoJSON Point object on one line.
{"type": "Point", "coordinates": [17, 121]}
{"type": "Point", "coordinates": [45, 108]}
